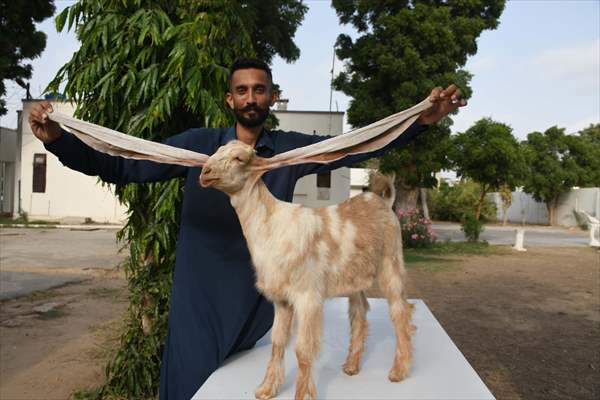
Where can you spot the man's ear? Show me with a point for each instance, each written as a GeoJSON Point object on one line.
{"type": "Point", "coordinates": [274, 95]}
{"type": "Point", "coordinates": [229, 99]}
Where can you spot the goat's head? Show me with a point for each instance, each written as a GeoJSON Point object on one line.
{"type": "Point", "coordinates": [229, 168]}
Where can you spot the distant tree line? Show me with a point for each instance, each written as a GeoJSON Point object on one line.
{"type": "Point", "coordinates": [546, 165]}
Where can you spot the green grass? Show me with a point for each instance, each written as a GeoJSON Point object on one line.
{"type": "Point", "coordinates": [445, 255]}
{"type": "Point", "coordinates": [459, 249]}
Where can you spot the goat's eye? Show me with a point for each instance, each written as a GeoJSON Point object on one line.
{"type": "Point", "coordinates": [239, 159]}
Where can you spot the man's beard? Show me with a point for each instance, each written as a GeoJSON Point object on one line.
{"type": "Point", "coordinates": [260, 115]}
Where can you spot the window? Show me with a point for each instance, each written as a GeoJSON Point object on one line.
{"type": "Point", "coordinates": [39, 173]}
{"type": "Point", "coordinates": [324, 180]}
{"type": "Point", "coordinates": [323, 185]}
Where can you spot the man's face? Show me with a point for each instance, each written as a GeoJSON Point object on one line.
{"type": "Point", "coordinates": [250, 96]}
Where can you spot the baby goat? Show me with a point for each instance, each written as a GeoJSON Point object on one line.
{"type": "Point", "coordinates": [303, 256]}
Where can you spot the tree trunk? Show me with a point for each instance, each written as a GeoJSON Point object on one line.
{"type": "Point", "coordinates": [551, 206]}
{"type": "Point", "coordinates": [406, 197]}
{"type": "Point", "coordinates": [423, 193]}
{"type": "Point", "coordinates": [504, 214]}
{"type": "Point", "coordinates": [480, 205]}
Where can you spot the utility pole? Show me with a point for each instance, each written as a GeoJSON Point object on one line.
{"type": "Point", "coordinates": [331, 88]}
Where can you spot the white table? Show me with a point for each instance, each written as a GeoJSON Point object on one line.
{"type": "Point", "coordinates": [439, 369]}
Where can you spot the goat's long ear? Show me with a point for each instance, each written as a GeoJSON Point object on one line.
{"type": "Point", "coordinates": [363, 140]}
{"type": "Point", "coordinates": [118, 144]}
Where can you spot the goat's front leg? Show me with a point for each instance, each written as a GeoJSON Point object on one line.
{"type": "Point", "coordinates": [280, 334]}
{"type": "Point", "coordinates": [309, 313]}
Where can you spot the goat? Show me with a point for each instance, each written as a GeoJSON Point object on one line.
{"type": "Point", "coordinates": [304, 262]}
{"type": "Point", "coordinates": [303, 256]}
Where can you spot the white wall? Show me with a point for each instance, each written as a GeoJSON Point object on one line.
{"type": "Point", "coordinates": [359, 179]}
{"type": "Point", "coordinates": [524, 209]}
{"type": "Point", "coordinates": [317, 123]}
{"type": "Point", "coordinates": [8, 150]}
{"type": "Point", "coordinates": [69, 195]}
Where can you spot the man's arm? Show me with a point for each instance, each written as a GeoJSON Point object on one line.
{"type": "Point", "coordinates": [76, 155]}
{"type": "Point", "coordinates": [401, 141]}
{"type": "Point", "coordinates": [444, 102]}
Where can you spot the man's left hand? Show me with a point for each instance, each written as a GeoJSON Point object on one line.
{"type": "Point", "coordinates": [444, 102]}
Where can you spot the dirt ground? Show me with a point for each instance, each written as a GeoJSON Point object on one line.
{"type": "Point", "coordinates": [529, 323]}
{"type": "Point", "coordinates": [50, 355]}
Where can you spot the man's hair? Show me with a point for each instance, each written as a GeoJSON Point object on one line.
{"type": "Point", "coordinates": [247, 63]}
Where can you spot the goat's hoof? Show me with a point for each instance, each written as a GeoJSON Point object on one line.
{"type": "Point", "coordinates": [397, 374]}
{"type": "Point", "coordinates": [351, 368]}
{"type": "Point", "coordinates": [309, 393]}
{"type": "Point", "coordinates": [305, 396]}
{"type": "Point", "coordinates": [265, 392]}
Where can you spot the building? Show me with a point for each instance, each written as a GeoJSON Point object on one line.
{"type": "Point", "coordinates": [317, 190]}
{"type": "Point", "coordinates": [8, 145]}
{"type": "Point", "coordinates": [359, 180]}
{"type": "Point", "coordinates": [45, 190]}
{"type": "Point", "coordinates": [35, 183]}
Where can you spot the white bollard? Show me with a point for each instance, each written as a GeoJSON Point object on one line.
{"type": "Point", "coordinates": [520, 236]}
{"type": "Point", "coordinates": [593, 229]}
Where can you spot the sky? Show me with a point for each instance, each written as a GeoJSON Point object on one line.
{"type": "Point", "coordinates": [539, 68]}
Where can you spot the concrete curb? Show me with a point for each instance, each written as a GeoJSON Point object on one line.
{"type": "Point", "coordinates": [58, 226]}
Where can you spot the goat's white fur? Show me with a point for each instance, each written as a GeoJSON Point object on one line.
{"type": "Point", "coordinates": [303, 256]}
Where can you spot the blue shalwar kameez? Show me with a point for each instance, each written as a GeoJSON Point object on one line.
{"type": "Point", "coordinates": [216, 310]}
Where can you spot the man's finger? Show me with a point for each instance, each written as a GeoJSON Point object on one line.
{"type": "Point", "coordinates": [435, 94]}
{"type": "Point", "coordinates": [456, 95]}
{"type": "Point", "coordinates": [449, 91]}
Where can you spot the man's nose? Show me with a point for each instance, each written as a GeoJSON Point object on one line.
{"type": "Point", "coordinates": [251, 97]}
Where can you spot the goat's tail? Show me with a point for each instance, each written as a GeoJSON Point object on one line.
{"type": "Point", "coordinates": [383, 185]}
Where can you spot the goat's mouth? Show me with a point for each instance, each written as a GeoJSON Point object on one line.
{"type": "Point", "coordinates": [206, 181]}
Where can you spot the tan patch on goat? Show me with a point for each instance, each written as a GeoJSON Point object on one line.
{"type": "Point", "coordinates": [361, 245]}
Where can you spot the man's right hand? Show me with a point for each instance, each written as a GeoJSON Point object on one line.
{"type": "Point", "coordinates": [44, 129]}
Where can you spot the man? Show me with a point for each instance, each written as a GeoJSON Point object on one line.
{"type": "Point", "coordinates": [215, 308]}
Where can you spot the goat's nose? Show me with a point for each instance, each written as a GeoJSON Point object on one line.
{"type": "Point", "coordinates": [206, 169]}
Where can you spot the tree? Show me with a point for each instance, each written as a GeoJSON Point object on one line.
{"type": "Point", "coordinates": [406, 48]}
{"type": "Point", "coordinates": [19, 39]}
{"type": "Point", "coordinates": [152, 69]}
{"type": "Point", "coordinates": [584, 152]}
{"type": "Point", "coordinates": [489, 154]}
{"type": "Point", "coordinates": [551, 171]}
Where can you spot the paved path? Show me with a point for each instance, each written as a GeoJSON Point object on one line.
{"type": "Point", "coordinates": [34, 259]}
{"type": "Point", "coordinates": [39, 259]}
{"type": "Point", "coordinates": [534, 235]}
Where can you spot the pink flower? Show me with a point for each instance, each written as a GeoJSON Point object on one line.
{"type": "Point", "coordinates": [414, 236]}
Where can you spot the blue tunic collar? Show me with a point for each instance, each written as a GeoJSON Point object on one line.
{"type": "Point", "coordinates": [265, 141]}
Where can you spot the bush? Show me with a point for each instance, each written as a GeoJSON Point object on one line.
{"type": "Point", "coordinates": [416, 230]}
{"type": "Point", "coordinates": [471, 227]}
{"type": "Point", "coordinates": [452, 203]}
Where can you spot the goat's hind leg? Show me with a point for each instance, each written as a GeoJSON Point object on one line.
{"type": "Point", "coordinates": [280, 334]}
{"type": "Point", "coordinates": [390, 282]}
{"type": "Point", "coordinates": [357, 311]}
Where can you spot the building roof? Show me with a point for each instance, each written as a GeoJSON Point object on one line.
{"type": "Point", "coordinates": [307, 112]}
